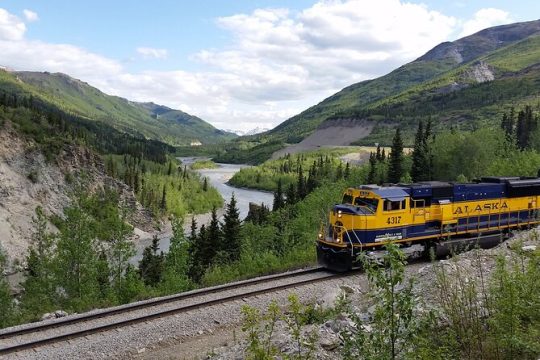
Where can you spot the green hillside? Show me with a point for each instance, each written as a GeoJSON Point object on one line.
{"type": "Point", "coordinates": [440, 84]}
{"type": "Point", "coordinates": [78, 98]}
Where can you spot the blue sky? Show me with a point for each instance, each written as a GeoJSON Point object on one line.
{"type": "Point", "coordinates": [237, 64]}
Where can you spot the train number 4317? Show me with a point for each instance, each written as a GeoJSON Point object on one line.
{"type": "Point", "coordinates": [394, 220]}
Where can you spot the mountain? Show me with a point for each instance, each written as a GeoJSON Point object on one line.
{"type": "Point", "coordinates": [465, 82]}
{"type": "Point", "coordinates": [254, 131]}
{"type": "Point", "coordinates": [142, 119]}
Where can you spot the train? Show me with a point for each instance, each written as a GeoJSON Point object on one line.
{"type": "Point", "coordinates": [431, 217]}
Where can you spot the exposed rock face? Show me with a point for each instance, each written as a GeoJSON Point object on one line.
{"type": "Point", "coordinates": [481, 72]}
{"type": "Point", "coordinates": [472, 46]}
{"type": "Point", "coordinates": [27, 180]}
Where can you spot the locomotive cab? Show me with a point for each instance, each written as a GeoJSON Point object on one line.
{"type": "Point", "coordinates": [351, 224]}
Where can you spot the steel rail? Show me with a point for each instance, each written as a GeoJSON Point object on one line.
{"type": "Point", "coordinates": [156, 314]}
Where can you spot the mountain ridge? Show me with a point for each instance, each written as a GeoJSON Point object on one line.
{"type": "Point", "coordinates": [355, 99]}
{"type": "Point", "coordinates": [172, 126]}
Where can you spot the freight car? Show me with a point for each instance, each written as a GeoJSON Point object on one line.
{"type": "Point", "coordinates": [430, 216]}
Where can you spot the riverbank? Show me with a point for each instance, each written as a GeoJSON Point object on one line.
{"type": "Point", "coordinates": [218, 178]}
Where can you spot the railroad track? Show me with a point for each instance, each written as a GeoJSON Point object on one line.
{"type": "Point", "coordinates": [32, 336]}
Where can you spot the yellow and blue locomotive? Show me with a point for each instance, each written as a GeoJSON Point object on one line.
{"type": "Point", "coordinates": [430, 215]}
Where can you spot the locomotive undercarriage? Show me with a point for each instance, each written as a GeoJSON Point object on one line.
{"type": "Point", "coordinates": [343, 259]}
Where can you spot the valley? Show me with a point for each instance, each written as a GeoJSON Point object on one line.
{"type": "Point", "coordinates": [106, 201]}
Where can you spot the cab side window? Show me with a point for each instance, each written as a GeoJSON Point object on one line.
{"type": "Point", "coordinates": [390, 205]}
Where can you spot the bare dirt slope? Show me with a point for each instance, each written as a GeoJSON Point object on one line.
{"type": "Point", "coordinates": [27, 180]}
{"type": "Point", "coordinates": [336, 133]}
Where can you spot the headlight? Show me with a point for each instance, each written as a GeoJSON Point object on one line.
{"type": "Point", "coordinates": [339, 213]}
{"type": "Point", "coordinates": [320, 236]}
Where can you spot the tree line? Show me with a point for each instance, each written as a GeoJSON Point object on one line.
{"type": "Point", "coordinates": [52, 127]}
{"type": "Point", "coordinates": [452, 155]}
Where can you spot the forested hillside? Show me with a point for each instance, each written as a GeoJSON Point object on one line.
{"type": "Point", "coordinates": [506, 50]}
{"type": "Point", "coordinates": [139, 119]}
{"type": "Point", "coordinates": [463, 84]}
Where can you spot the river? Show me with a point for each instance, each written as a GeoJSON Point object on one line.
{"type": "Point", "coordinates": [217, 178]}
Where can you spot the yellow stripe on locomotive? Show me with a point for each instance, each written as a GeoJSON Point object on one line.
{"type": "Point", "coordinates": [425, 213]}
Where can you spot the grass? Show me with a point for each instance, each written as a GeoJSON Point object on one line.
{"type": "Point", "coordinates": [204, 164]}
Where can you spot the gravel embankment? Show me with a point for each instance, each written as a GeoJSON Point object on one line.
{"type": "Point", "coordinates": [127, 341]}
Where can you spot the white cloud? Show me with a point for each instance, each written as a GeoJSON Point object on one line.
{"type": "Point", "coordinates": [148, 53]}
{"type": "Point", "coordinates": [277, 63]}
{"type": "Point", "coordinates": [30, 15]}
{"type": "Point", "coordinates": [11, 27]}
{"type": "Point", "coordinates": [485, 18]}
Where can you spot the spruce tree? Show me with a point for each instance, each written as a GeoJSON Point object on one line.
{"type": "Point", "coordinates": [278, 197]}
{"type": "Point", "coordinates": [214, 239]}
{"type": "Point", "coordinates": [396, 159]}
{"type": "Point", "coordinates": [151, 265]}
{"type": "Point", "coordinates": [231, 228]}
{"type": "Point", "coordinates": [196, 251]}
{"type": "Point", "coordinates": [290, 195]}
{"type": "Point", "coordinates": [205, 184]}
{"type": "Point", "coordinates": [163, 203]}
{"type": "Point", "coordinates": [339, 172]}
{"type": "Point", "coordinates": [522, 130]}
{"type": "Point", "coordinates": [420, 162]}
{"type": "Point", "coordinates": [301, 188]}
{"type": "Point", "coordinates": [372, 168]}
{"type": "Point", "coordinates": [347, 172]}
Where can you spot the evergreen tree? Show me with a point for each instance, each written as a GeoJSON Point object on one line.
{"type": "Point", "coordinates": [215, 239]}
{"type": "Point", "coordinates": [427, 132]}
{"type": "Point", "coordinates": [312, 182]}
{"type": "Point", "coordinates": [258, 215]}
{"type": "Point", "coordinates": [396, 159]}
{"type": "Point", "coordinates": [420, 161]}
{"type": "Point", "coordinates": [378, 155]}
{"type": "Point", "coordinates": [151, 264]}
{"type": "Point", "coordinates": [195, 268]}
{"type": "Point", "coordinates": [136, 183]}
{"type": "Point", "coordinates": [103, 272]}
{"type": "Point", "coordinates": [339, 172]}
{"type": "Point", "coordinates": [347, 172]}
{"type": "Point", "coordinates": [279, 202]}
{"type": "Point", "coordinates": [531, 125]}
{"type": "Point", "coordinates": [301, 188]}
{"type": "Point", "coordinates": [290, 195]}
{"type": "Point", "coordinates": [231, 231]}
{"type": "Point", "coordinates": [522, 130]}
{"type": "Point", "coordinates": [372, 168]}
{"type": "Point", "coordinates": [505, 123]}
{"type": "Point", "coordinates": [205, 184]}
{"type": "Point", "coordinates": [163, 203]}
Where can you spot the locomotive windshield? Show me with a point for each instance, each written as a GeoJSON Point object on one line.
{"type": "Point", "coordinates": [371, 204]}
{"type": "Point", "coordinates": [347, 199]}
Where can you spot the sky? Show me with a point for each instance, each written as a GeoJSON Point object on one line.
{"type": "Point", "coordinates": [237, 64]}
